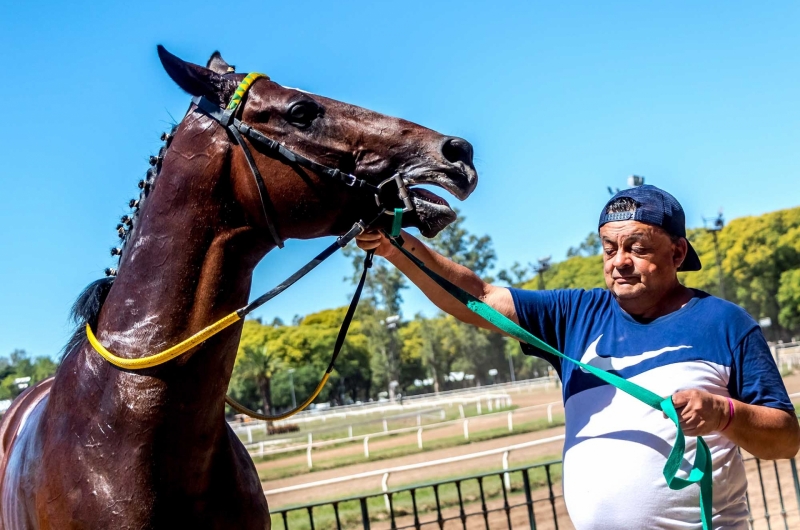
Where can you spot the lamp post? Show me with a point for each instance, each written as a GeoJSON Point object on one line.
{"type": "Point", "coordinates": [715, 225]}
{"type": "Point", "coordinates": [291, 384]}
{"type": "Point", "coordinates": [391, 324]}
{"type": "Point", "coordinates": [544, 265]}
{"type": "Point", "coordinates": [507, 351]}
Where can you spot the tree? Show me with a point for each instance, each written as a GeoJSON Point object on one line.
{"type": "Point", "coordinates": [257, 362]}
{"type": "Point", "coordinates": [756, 253]}
{"type": "Point", "coordinates": [577, 272]}
{"type": "Point", "coordinates": [789, 300]}
{"type": "Point", "coordinates": [19, 365]}
{"type": "Point", "coordinates": [591, 246]}
{"type": "Point", "coordinates": [474, 252]}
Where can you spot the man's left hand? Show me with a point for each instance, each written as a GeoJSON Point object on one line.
{"type": "Point", "coordinates": [700, 413]}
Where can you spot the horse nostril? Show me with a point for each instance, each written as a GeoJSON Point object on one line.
{"type": "Point", "coordinates": [457, 150]}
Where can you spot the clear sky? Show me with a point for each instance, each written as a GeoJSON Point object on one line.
{"type": "Point", "coordinates": [560, 100]}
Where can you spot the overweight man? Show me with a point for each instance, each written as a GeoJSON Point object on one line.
{"type": "Point", "coordinates": [646, 327]}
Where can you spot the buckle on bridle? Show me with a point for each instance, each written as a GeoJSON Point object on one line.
{"type": "Point", "coordinates": [402, 194]}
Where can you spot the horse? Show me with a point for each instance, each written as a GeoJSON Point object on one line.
{"type": "Point", "coordinates": [97, 446]}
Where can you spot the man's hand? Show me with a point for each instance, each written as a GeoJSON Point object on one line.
{"type": "Point", "coordinates": [701, 413]}
{"type": "Point", "coordinates": [374, 239]}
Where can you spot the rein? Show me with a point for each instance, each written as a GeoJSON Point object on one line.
{"type": "Point", "coordinates": [239, 130]}
{"type": "Point", "coordinates": [701, 469]}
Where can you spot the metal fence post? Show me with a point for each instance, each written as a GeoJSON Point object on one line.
{"type": "Point", "coordinates": [419, 437]}
{"type": "Point", "coordinates": [366, 447]}
{"type": "Point", "coordinates": [466, 429]}
{"type": "Point", "coordinates": [364, 514]}
{"type": "Point", "coordinates": [526, 482]}
{"type": "Point", "coordinates": [795, 481]}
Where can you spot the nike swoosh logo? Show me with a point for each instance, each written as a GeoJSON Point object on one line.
{"type": "Point", "coordinates": [619, 363]}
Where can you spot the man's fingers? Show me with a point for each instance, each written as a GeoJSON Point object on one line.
{"type": "Point", "coordinates": [680, 399]}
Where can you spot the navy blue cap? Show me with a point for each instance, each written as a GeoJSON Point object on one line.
{"type": "Point", "coordinates": [656, 207]}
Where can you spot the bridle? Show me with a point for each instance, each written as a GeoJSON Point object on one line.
{"type": "Point", "coordinates": [239, 130]}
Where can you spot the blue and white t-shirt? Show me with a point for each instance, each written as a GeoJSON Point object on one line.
{"type": "Point", "coordinates": [616, 446]}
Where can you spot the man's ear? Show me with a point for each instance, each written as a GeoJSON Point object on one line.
{"type": "Point", "coordinates": [680, 249]}
{"type": "Point", "coordinates": [196, 80]}
{"type": "Point", "coordinates": [218, 65]}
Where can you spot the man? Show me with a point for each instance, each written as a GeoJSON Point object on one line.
{"type": "Point", "coordinates": [648, 328]}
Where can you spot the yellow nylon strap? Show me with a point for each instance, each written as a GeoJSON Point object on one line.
{"type": "Point", "coordinates": [238, 407]}
{"type": "Point", "coordinates": [166, 355]}
{"type": "Point", "coordinates": [242, 89]}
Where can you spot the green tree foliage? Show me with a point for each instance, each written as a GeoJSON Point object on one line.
{"type": "Point", "coordinates": [789, 299]}
{"type": "Point", "coordinates": [591, 246]}
{"type": "Point", "coordinates": [19, 365]}
{"type": "Point", "coordinates": [474, 252]}
{"type": "Point", "coordinates": [759, 255]}
{"type": "Point", "coordinates": [266, 353]}
{"type": "Point", "coordinates": [577, 272]}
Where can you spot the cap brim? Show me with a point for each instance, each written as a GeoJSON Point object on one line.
{"type": "Point", "coordinates": [692, 261]}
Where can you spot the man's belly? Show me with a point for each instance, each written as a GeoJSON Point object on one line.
{"type": "Point", "coordinates": [614, 454]}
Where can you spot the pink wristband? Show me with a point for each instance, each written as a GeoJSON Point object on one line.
{"type": "Point", "coordinates": [730, 414]}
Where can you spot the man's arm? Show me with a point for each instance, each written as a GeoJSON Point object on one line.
{"type": "Point", "coordinates": [497, 297]}
{"type": "Point", "coordinates": [764, 432]}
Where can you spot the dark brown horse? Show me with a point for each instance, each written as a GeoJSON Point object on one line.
{"type": "Point", "coordinates": [102, 448]}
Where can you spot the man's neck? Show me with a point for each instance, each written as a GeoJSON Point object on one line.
{"type": "Point", "coordinates": [649, 310]}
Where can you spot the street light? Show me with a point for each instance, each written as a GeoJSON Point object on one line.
{"type": "Point", "coordinates": [493, 374]}
{"type": "Point", "coordinates": [544, 265]}
{"type": "Point", "coordinates": [391, 323]}
{"type": "Point", "coordinates": [510, 360]}
{"type": "Point", "coordinates": [714, 225]}
{"type": "Point", "coordinates": [291, 384]}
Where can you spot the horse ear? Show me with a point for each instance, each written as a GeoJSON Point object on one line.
{"type": "Point", "coordinates": [218, 65]}
{"type": "Point", "coordinates": [196, 80]}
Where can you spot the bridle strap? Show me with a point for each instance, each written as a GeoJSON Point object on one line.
{"type": "Point", "coordinates": [226, 118]}
{"type": "Point", "coordinates": [266, 204]}
{"type": "Point", "coordinates": [337, 348]}
{"type": "Point", "coordinates": [238, 129]}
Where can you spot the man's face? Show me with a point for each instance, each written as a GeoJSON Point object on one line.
{"type": "Point", "coordinates": [639, 260]}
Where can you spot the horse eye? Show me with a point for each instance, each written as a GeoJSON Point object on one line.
{"type": "Point", "coordinates": [302, 113]}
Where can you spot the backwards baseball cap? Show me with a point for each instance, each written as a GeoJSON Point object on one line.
{"type": "Point", "coordinates": [656, 207]}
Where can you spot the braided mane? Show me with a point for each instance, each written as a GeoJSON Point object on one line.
{"type": "Point", "coordinates": [86, 308]}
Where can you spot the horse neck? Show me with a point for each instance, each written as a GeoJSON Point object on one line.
{"type": "Point", "coordinates": [187, 263]}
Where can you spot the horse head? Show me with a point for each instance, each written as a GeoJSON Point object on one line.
{"type": "Point", "coordinates": [365, 144]}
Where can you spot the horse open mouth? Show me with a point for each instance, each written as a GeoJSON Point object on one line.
{"type": "Point", "coordinates": [433, 213]}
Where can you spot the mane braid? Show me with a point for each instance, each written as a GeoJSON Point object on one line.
{"type": "Point", "coordinates": [86, 308]}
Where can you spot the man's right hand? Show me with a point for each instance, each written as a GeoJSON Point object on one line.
{"type": "Point", "coordinates": [375, 240]}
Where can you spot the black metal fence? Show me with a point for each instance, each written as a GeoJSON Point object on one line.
{"type": "Point", "coordinates": [521, 497]}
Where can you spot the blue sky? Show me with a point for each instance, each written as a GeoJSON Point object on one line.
{"type": "Point", "coordinates": [560, 100]}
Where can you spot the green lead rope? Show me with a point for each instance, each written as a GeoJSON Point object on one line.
{"type": "Point", "coordinates": [397, 223]}
{"type": "Point", "coordinates": [701, 470]}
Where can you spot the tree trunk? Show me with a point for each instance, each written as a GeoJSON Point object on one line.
{"type": "Point", "coordinates": [264, 383]}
